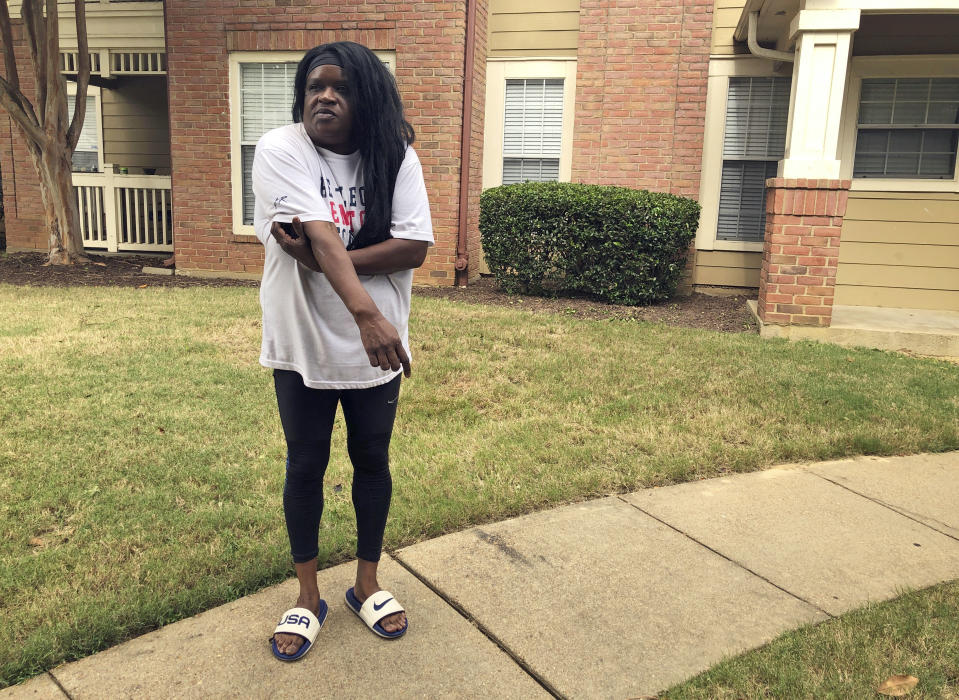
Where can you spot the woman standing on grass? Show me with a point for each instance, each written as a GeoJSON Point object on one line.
{"type": "Point", "coordinates": [342, 210]}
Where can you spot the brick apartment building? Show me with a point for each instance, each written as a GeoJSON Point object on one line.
{"type": "Point", "coordinates": [636, 115]}
{"type": "Point", "coordinates": [718, 100]}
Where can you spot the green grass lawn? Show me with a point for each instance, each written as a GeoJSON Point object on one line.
{"type": "Point", "coordinates": [849, 657]}
{"type": "Point", "coordinates": [141, 457]}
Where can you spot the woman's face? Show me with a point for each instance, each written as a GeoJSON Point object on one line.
{"type": "Point", "coordinates": [326, 109]}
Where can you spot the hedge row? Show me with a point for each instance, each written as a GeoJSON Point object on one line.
{"type": "Point", "coordinates": [613, 243]}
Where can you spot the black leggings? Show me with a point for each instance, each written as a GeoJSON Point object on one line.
{"type": "Point", "coordinates": [307, 416]}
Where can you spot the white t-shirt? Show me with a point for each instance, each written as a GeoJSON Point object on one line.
{"type": "Point", "coordinates": [306, 326]}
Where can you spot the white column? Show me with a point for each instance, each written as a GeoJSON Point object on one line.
{"type": "Point", "coordinates": [823, 45]}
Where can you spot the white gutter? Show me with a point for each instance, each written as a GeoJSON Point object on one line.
{"type": "Point", "coordinates": [757, 50]}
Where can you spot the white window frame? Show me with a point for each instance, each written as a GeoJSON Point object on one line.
{"type": "Point", "coordinates": [941, 66]}
{"type": "Point", "coordinates": [498, 71]}
{"type": "Point", "coordinates": [236, 158]}
{"type": "Point", "coordinates": [94, 92]}
{"type": "Point", "coordinates": [721, 69]}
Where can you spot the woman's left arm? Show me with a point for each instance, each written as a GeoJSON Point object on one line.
{"type": "Point", "coordinates": [411, 223]}
{"type": "Point", "coordinates": [411, 226]}
{"type": "Point", "coordinates": [392, 255]}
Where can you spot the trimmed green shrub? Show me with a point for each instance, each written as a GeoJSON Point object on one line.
{"type": "Point", "coordinates": [613, 243]}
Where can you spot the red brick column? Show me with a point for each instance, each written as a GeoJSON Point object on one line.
{"type": "Point", "coordinates": [798, 276]}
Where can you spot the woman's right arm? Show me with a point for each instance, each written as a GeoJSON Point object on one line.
{"type": "Point", "coordinates": [380, 339]}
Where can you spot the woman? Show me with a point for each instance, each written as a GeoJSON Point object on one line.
{"type": "Point", "coordinates": [341, 208]}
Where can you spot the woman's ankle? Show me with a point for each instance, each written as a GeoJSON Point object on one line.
{"type": "Point", "coordinates": [366, 583]}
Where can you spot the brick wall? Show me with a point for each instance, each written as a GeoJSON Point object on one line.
{"type": "Point", "coordinates": [641, 93]}
{"type": "Point", "coordinates": [23, 206]}
{"type": "Point", "coordinates": [429, 42]}
{"type": "Point", "coordinates": [797, 281]}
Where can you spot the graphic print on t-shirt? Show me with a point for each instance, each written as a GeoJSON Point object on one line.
{"type": "Point", "coordinates": [347, 207]}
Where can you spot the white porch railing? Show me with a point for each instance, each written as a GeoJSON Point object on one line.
{"type": "Point", "coordinates": [125, 212]}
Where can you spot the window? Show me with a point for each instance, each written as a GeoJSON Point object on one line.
{"type": "Point", "coordinates": [266, 100]}
{"type": "Point", "coordinates": [533, 130]}
{"type": "Point", "coordinates": [86, 154]}
{"type": "Point", "coordinates": [907, 128]}
{"type": "Point", "coordinates": [757, 110]}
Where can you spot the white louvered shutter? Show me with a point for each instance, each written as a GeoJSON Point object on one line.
{"type": "Point", "coordinates": [757, 111]}
{"type": "Point", "coordinates": [533, 130]}
{"type": "Point", "coordinates": [266, 102]}
{"type": "Point", "coordinates": [85, 154]}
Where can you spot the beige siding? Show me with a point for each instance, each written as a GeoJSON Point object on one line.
{"type": "Point", "coordinates": [938, 300]}
{"type": "Point", "coordinates": [134, 26]}
{"type": "Point", "coordinates": [725, 18]}
{"type": "Point", "coordinates": [529, 28]}
{"type": "Point", "coordinates": [722, 268]}
{"type": "Point", "coordinates": [136, 124]}
{"type": "Point", "coordinates": [900, 250]}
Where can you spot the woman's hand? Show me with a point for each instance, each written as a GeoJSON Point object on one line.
{"type": "Point", "coordinates": [298, 248]}
{"type": "Point", "coordinates": [382, 343]}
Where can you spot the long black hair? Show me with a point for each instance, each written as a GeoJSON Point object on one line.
{"type": "Point", "coordinates": [380, 131]}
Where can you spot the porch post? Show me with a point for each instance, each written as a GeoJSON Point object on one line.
{"type": "Point", "coordinates": [806, 204]}
{"type": "Point", "coordinates": [823, 44]}
{"type": "Point", "coordinates": [110, 207]}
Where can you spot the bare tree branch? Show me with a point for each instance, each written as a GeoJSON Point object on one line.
{"type": "Point", "coordinates": [36, 39]}
{"type": "Point", "coordinates": [56, 108]}
{"type": "Point", "coordinates": [83, 75]}
{"type": "Point", "coordinates": [6, 36]}
{"type": "Point", "coordinates": [20, 110]}
{"type": "Point", "coordinates": [21, 100]}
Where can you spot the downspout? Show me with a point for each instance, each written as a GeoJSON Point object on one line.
{"type": "Point", "coordinates": [757, 50]}
{"type": "Point", "coordinates": [462, 252]}
{"type": "Point", "coordinates": [171, 261]}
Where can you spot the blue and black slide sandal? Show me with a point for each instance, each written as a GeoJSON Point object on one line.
{"type": "Point", "coordinates": [303, 623]}
{"type": "Point", "coordinates": [379, 605]}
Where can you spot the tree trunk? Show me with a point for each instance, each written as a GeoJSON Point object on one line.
{"type": "Point", "coordinates": [49, 131]}
{"type": "Point", "coordinates": [54, 166]}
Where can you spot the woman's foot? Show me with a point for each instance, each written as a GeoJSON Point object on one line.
{"type": "Point", "coordinates": [309, 598]}
{"type": "Point", "coordinates": [366, 585]}
{"type": "Point", "coordinates": [289, 644]}
{"type": "Point", "coordinates": [391, 623]}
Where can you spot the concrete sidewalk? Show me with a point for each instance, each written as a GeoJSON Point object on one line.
{"type": "Point", "coordinates": [618, 597]}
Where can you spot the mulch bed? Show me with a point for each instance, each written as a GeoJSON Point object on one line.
{"type": "Point", "coordinates": [101, 271]}
{"type": "Point", "coordinates": [718, 313]}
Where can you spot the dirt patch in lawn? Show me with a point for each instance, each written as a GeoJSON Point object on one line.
{"type": "Point", "coordinates": [718, 313]}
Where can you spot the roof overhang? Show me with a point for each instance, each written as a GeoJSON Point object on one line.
{"type": "Point", "coordinates": [776, 16]}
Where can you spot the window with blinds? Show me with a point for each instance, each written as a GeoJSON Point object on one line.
{"type": "Point", "coordinates": [266, 98]}
{"type": "Point", "coordinates": [757, 111]}
{"type": "Point", "coordinates": [533, 130]}
{"type": "Point", "coordinates": [85, 155]}
{"type": "Point", "coordinates": [907, 128]}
